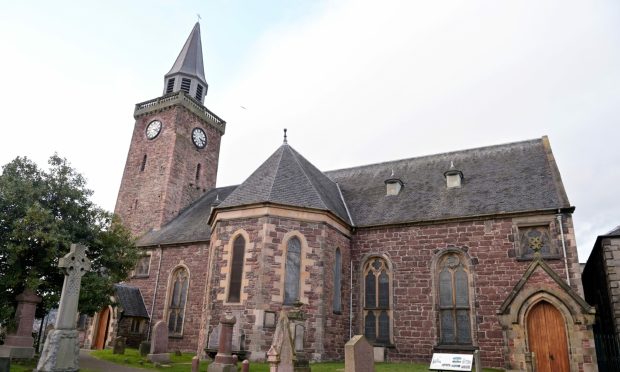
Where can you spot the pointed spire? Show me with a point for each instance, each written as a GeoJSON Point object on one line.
{"type": "Point", "coordinates": [187, 72]}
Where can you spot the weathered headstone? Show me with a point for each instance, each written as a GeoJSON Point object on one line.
{"type": "Point", "coordinates": [119, 345]}
{"type": "Point", "coordinates": [195, 364]}
{"type": "Point", "coordinates": [144, 348]}
{"type": "Point", "coordinates": [224, 361]}
{"type": "Point", "coordinates": [19, 344]}
{"type": "Point", "coordinates": [358, 355]}
{"type": "Point", "coordinates": [159, 344]}
{"type": "Point", "coordinates": [61, 349]}
{"type": "Point", "coordinates": [282, 356]}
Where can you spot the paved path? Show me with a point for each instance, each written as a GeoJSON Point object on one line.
{"type": "Point", "coordinates": [89, 362]}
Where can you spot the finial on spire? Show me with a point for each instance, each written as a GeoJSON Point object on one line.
{"type": "Point", "coordinates": [392, 175]}
{"type": "Point", "coordinates": [198, 16]}
{"type": "Point", "coordinates": [285, 140]}
{"type": "Point", "coordinates": [451, 164]}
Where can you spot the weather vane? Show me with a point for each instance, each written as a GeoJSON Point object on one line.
{"type": "Point", "coordinates": [285, 141]}
{"type": "Point", "coordinates": [198, 16]}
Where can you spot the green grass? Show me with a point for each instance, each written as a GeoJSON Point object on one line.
{"type": "Point", "coordinates": [132, 358]}
{"type": "Point", "coordinates": [29, 365]}
{"type": "Point", "coordinates": [182, 363]}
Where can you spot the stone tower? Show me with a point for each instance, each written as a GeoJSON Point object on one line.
{"type": "Point", "coordinates": [174, 150]}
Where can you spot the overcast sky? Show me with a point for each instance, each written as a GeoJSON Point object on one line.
{"type": "Point", "coordinates": [355, 82]}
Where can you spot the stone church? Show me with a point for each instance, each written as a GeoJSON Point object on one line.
{"type": "Point", "coordinates": [455, 252]}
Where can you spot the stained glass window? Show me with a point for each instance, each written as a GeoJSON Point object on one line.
{"type": "Point", "coordinates": [454, 308]}
{"type": "Point", "coordinates": [292, 268]}
{"type": "Point", "coordinates": [377, 301]}
{"type": "Point", "coordinates": [236, 270]}
{"type": "Point", "coordinates": [178, 298]}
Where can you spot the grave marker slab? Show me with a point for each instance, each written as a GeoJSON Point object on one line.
{"type": "Point", "coordinates": [159, 343]}
{"type": "Point", "coordinates": [19, 344]}
{"type": "Point", "coordinates": [358, 355]}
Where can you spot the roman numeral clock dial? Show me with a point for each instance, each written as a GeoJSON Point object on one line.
{"type": "Point", "coordinates": [153, 129]}
{"type": "Point", "coordinates": [199, 137]}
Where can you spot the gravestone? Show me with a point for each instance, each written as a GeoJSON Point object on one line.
{"type": "Point", "coordinates": [195, 364]}
{"type": "Point", "coordinates": [61, 349]}
{"type": "Point", "coordinates": [159, 344]}
{"type": "Point", "coordinates": [245, 366]}
{"type": "Point", "coordinates": [5, 360]}
{"type": "Point", "coordinates": [19, 344]}
{"type": "Point", "coordinates": [224, 360]}
{"type": "Point", "coordinates": [358, 355]}
{"type": "Point", "coordinates": [282, 356]}
{"type": "Point", "coordinates": [119, 345]}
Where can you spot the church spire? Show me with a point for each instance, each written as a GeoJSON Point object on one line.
{"type": "Point", "coordinates": [188, 73]}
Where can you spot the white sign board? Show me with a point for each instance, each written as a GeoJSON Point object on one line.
{"type": "Point", "coordinates": [451, 362]}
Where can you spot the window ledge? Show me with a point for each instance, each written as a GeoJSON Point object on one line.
{"type": "Point", "coordinates": [337, 312]}
{"type": "Point", "coordinates": [175, 336]}
{"type": "Point", "coordinates": [140, 276]}
{"type": "Point", "coordinates": [454, 347]}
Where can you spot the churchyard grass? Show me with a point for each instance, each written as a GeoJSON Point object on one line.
{"type": "Point", "coordinates": [183, 363]}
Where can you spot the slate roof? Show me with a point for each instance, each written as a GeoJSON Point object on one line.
{"type": "Point", "coordinates": [189, 61]}
{"type": "Point", "coordinates": [502, 179]}
{"type": "Point", "coordinates": [287, 178]}
{"type": "Point", "coordinates": [614, 232]}
{"type": "Point", "coordinates": [191, 223]}
{"type": "Point", "coordinates": [130, 300]}
{"type": "Point", "coordinates": [513, 177]}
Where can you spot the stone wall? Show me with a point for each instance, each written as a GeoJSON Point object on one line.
{"type": "Point", "coordinates": [611, 253]}
{"type": "Point", "coordinates": [151, 197]}
{"type": "Point", "coordinates": [489, 245]}
{"type": "Point", "coordinates": [262, 282]}
{"type": "Point", "coordinates": [194, 258]}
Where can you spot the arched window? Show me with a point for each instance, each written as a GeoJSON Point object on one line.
{"type": "Point", "coordinates": [236, 270]}
{"type": "Point", "coordinates": [178, 298]}
{"type": "Point", "coordinates": [292, 271]}
{"type": "Point", "coordinates": [337, 301]}
{"type": "Point", "coordinates": [377, 304]}
{"type": "Point", "coordinates": [454, 304]}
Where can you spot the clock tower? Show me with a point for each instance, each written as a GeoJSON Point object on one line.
{"type": "Point", "coordinates": [174, 150]}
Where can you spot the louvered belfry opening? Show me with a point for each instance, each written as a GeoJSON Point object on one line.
{"type": "Point", "coordinates": [185, 85]}
{"type": "Point", "coordinates": [170, 86]}
{"type": "Point", "coordinates": [199, 92]}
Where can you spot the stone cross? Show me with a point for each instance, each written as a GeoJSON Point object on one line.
{"type": "Point", "coordinates": [75, 265]}
{"type": "Point", "coordinates": [62, 348]}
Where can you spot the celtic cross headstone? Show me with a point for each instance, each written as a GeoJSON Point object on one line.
{"type": "Point", "coordinates": [61, 349]}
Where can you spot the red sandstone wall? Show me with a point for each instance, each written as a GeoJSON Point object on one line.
{"type": "Point", "coordinates": [194, 257]}
{"type": "Point", "coordinates": [496, 271]}
{"type": "Point", "coordinates": [167, 183]}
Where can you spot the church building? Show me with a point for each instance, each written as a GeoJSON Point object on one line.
{"type": "Point", "coordinates": [454, 252]}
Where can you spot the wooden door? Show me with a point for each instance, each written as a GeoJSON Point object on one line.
{"type": "Point", "coordinates": [547, 338]}
{"type": "Point", "coordinates": [102, 329]}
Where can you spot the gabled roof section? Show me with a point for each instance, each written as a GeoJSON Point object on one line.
{"type": "Point", "coordinates": [130, 300]}
{"type": "Point", "coordinates": [614, 232]}
{"type": "Point", "coordinates": [190, 225]}
{"type": "Point", "coordinates": [287, 178]}
{"type": "Point", "coordinates": [538, 262]}
{"type": "Point", "coordinates": [502, 179]}
{"type": "Point", "coordinates": [189, 61]}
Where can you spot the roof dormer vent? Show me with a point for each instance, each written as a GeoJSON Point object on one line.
{"type": "Point", "coordinates": [454, 177]}
{"type": "Point", "coordinates": [393, 185]}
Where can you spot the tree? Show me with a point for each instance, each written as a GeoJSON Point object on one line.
{"type": "Point", "coordinates": [41, 213]}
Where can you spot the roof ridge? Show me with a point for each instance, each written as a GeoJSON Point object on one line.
{"type": "Point", "coordinates": [273, 181]}
{"type": "Point", "coordinates": [436, 155]}
{"type": "Point", "coordinates": [307, 177]}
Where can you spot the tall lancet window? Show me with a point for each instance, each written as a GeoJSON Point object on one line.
{"type": "Point", "coordinates": [337, 301]}
{"type": "Point", "coordinates": [178, 297]}
{"type": "Point", "coordinates": [454, 304]}
{"type": "Point", "coordinates": [236, 270]}
{"type": "Point", "coordinates": [292, 271]}
{"type": "Point", "coordinates": [377, 301]}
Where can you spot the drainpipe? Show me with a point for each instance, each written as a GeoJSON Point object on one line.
{"type": "Point", "coordinates": [351, 302]}
{"type": "Point", "coordinates": [148, 330]}
{"type": "Point", "coordinates": [559, 217]}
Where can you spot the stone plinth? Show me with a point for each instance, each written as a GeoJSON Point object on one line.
{"type": "Point", "coordinates": [61, 352]}
{"type": "Point", "coordinates": [159, 344]}
{"type": "Point", "coordinates": [224, 360]}
{"type": "Point", "coordinates": [282, 356]}
{"type": "Point", "coordinates": [358, 355]}
{"type": "Point", "coordinates": [19, 344]}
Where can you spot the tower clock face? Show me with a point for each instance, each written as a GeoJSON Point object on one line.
{"type": "Point", "coordinates": [199, 137]}
{"type": "Point", "coordinates": [153, 129]}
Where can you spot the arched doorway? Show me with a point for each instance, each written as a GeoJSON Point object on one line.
{"type": "Point", "coordinates": [547, 338]}
{"type": "Point", "coordinates": [103, 322]}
